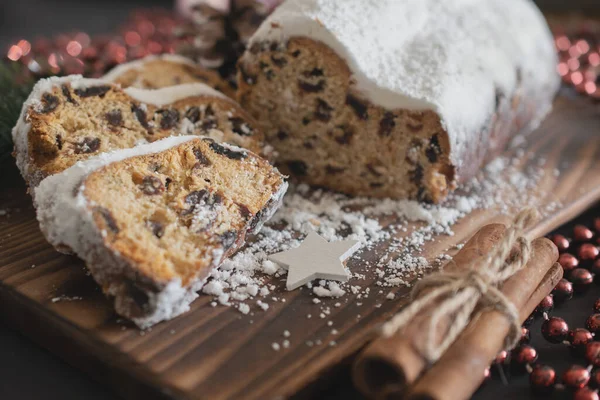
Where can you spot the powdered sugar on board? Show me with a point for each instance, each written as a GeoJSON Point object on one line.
{"type": "Point", "coordinates": [396, 231]}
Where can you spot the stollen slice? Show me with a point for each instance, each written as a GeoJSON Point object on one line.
{"type": "Point", "coordinates": [151, 222]}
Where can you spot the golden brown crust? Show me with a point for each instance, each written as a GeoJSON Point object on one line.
{"type": "Point", "coordinates": [72, 125]}
{"type": "Point", "coordinates": [158, 73]}
{"type": "Point", "coordinates": [327, 135]}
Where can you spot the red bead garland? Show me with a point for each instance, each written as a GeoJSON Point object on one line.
{"type": "Point", "coordinates": [146, 32]}
{"type": "Point", "coordinates": [580, 260]}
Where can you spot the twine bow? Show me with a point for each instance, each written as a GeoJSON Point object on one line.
{"type": "Point", "coordinates": [458, 294]}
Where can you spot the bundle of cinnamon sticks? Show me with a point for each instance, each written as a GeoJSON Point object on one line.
{"type": "Point", "coordinates": [395, 367]}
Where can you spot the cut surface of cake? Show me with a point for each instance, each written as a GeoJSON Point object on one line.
{"type": "Point", "coordinates": [402, 99]}
{"type": "Point", "coordinates": [70, 119]}
{"type": "Point", "coordinates": [152, 221]}
{"type": "Point", "coordinates": [156, 72]}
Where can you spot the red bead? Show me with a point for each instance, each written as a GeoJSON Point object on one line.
{"type": "Point", "coordinates": [597, 306]}
{"type": "Point", "coordinates": [542, 379]}
{"type": "Point", "coordinates": [568, 261]}
{"type": "Point", "coordinates": [576, 377]}
{"type": "Point", "coordinates": [592, 353]}
{"type": "Point", "coordinates": [563, 291]}
{"type": "Point", "coordinates": [587, 252]}
{"type": "Point", "coordinates": [585, 393]}
{"type": "Point", "coordinates": [581, 279]}
{"type": "Point", "coordinates": [524, 354]}
{"type": "Point", "coordinates": [486, 374]}
{"type": "Point", "coordinates": [525, 335]}
{"type": "Point", "coordinates": [501, 357]}
{"type": "Point", "coordinates": [593, 323]}
{"type": "Point", "coordinates": [555, 330]}
{"type": "Point", "coordinates": [582, 233]}
{"type": "Point", "coordinates": [546, 305]}
{"type": "Point", "coordinates": [595, 269]}
{"type": "Point", "coordinates": [579, 338]}
{"type": "Point", "coordinates": [561, 242]}
{"type": "Point", "coordinates": [595, 378]}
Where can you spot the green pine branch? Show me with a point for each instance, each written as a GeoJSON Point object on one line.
{"type": "Point", "coordinates": [14, 90]}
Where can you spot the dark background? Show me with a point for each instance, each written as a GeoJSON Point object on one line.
{"type": "Point", "coordinates": [30, 372]}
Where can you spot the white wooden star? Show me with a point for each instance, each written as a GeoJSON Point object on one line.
{"type": "Point", "coordinates": [315, 258]}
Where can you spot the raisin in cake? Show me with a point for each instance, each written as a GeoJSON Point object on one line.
{"type": "Point", "coordinates": [397, 98]}
{"type": "Point", "coordinates": [152, 221]}
{"type": "Point", "coordinates": [70, 119]}
{"type": "Point", "coordinates": [155, 72]}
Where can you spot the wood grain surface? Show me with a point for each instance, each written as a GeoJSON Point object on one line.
{"type": "Point", "coordinates": [218, 353]}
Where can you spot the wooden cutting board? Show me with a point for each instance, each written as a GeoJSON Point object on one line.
{"type": "Point", "coordinates": [218, 353]}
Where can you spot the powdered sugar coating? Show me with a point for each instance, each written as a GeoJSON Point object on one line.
{"type": "Point", "coordinates": [451, 56]}
{"type": "Point", "coordinates": [65, 218]}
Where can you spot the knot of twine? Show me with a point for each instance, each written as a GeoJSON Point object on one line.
{"type": "Point", "coordinates": [458, 294]}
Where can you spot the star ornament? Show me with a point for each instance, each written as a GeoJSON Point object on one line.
{"type": "Point", "coordinates": [316, 258]}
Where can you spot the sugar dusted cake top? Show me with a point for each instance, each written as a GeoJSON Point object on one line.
{"type": "Point", "coordinates": [452, 56]}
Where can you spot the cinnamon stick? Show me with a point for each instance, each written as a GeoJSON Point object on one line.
{"type": "Point", "coordinates": [390, 364]}
{"type": "Point", "coordinates": [459, 372]}
{"type": "Point", "coordinates": [544, 289]}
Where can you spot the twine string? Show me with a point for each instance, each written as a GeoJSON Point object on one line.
{"type": "Point", "coordinates": [459, 294]}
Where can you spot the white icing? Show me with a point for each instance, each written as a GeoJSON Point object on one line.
{"type": "Point", "coordinates": [170, 94]}
{"type": "Point", "coordinates": [445, 55]}
{"type": "Point", "coordinates": [119, 70]}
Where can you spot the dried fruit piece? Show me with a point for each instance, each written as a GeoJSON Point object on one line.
{"type": "Point", "coordinates": [202, 159]}
{"type": "Point", "coordinates": [240, 126]}
{"type": "Point", "coordinates": [87, 145]}
{"type": "Point", "coordinates": [281, 135]}
{"type": "Point", "coordinates": [114, 117]}
{"type": "Point", "coordinates": [151, 186]}
{"type": "Point", "coordinates": [224, 151]}
{"type": "Point", "coordinates": [297, 167]}
{"type": "Point", "coordinates": [110, 221]}
{"type": "Point", "coordinates": [169, 118]}
{"type": "Point", "coordinates": [193, 114]}
{"type": "Point", "coordinates": [92, 91]}
{"type": "Point", "coordinates": [360, 109]}
{"type": "Point", "coordinates": [280, 61]}
{"type": "Point", "coordinates": [433, 149]}
{"type": "Point", "coordinates": [387, 124]}
{"type": "Point", "coordinates": [323, 111]}
{"type": "Point", "coordinates": [67, 93]}
{"type": "Point", "coordinates": [346, 136]}
{"type": "Point", "coordinates": [416, 175]}
{"type": "Point", "coordinates": [312, 87]}
{"type": "Point", "coordinates": [156, 227]}
{"type": "Point", "coordinates": [49, 102]}
{"type": "Point", "coordinates": [140, 115]}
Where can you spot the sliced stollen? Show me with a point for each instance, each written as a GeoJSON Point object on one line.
{"type": "Point", "coordinates": [391, 98]}
{"type": "Point", "coordinates": [150, 222]}
{"type": "Point", "coordinates": [158, 71]}
{"type": "Point", "coordinates": [70, 119]}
